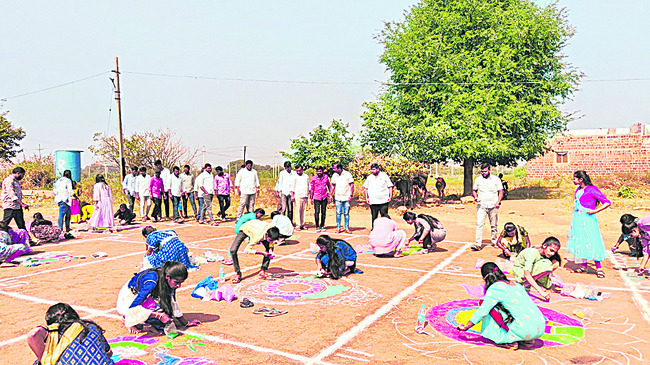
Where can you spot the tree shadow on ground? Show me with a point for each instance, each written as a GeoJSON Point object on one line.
{"type": "Point", "coordinates": [533, 192]}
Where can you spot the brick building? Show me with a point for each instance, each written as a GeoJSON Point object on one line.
{"type": "Point", "coordinates": [597, 151]}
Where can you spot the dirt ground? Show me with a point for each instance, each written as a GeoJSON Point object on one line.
{"type": "Point", "coordinates": [363, 318]}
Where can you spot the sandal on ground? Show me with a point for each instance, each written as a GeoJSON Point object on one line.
{"type": "Point", "coordinates": [262, 310]}
{"type": "Point", "coordinates": [236, 279]}
{"type": "Point", "coordinates": [274, 313]}
{"type": "Point", "coordinates": [277, 276]}
{"type": "Point", "coordinates": [246, 303]}
{"type": "Point", "coordinates": [600, 273]}
{"type": "Point", "coordinates": [476, 248]}
{"type": "Point", "coordinates": [227, 262]}
{"type": "Point", "coordinates": [264, 276]}
{"type": "Point", "coordinates": [581, 270]}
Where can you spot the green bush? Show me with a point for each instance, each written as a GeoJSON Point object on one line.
{"type": "Point", "coordinates": [625, 192]}
{"type": "Point", "coordinates": [520, 172]}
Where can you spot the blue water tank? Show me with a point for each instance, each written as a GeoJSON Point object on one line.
{"type": "Point", "coordinates": [68, 160]}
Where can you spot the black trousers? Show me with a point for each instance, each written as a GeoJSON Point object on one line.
{"type": "Point", "coordinates": [166, 201]}
{"type": "Point", "coordinates": [157, 213]}
{"type": "Point", "coordinates": [320, 208]}
{"type": "Point", "coordinates": [241, 237]}
{"type": "Point", "coordinates": [287, 207]}
{"type": "Point", "coordinates": [377, 210]}
{"type": "Point", "coordinates": [17, 215]}
{"type": "Point", "coordinates": [224, 204]}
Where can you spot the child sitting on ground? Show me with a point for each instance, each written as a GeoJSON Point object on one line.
{"type": "Point", "coordinates": [68, 339]}
{"type": "Point", "coordinates": [9, 250]}
{"type": "Point", "coordinates": [638, 228]}
{"type": "Point", "coordinates": [428, 230]}
{"type": "Point", "coordinates": [512, 240]}
{"type": "Point", "coordinates": [45, 231]}
{"type": "Point", "coordinates": [124, 215]}
{"type": "Point", "coordinates": [533, 266]}
{"type": "Point", "coordinates": [336, 258]}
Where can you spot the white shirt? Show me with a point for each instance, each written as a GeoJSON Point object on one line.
{"type": "Point", "coordinates": [488, 190]}
{"type": "Point", "coordinates": [341, 184]}
{"type": "Point", "coordinates": [301, 187]}
{"type": "Point", "coordinates": [378, 192]}
{"type": "Point", "coordinates": [63, 190]}
{"type": "Point", "coordinates": [175, 184]}
{"type": "Point", "coordinates": [142, 185]}
{"type": "Point", "coordinates": [205, 180]}
{"type": "Point", "coordinates": [284, 224]}
{"type": "Point", "coordinates": [247, 181]}
{"type": "Point", "coordinates": [129, 183]}
{"type": "Point", "coordinates": [165, 175]}
{"type": "Point", "coordinates": [286, 182]}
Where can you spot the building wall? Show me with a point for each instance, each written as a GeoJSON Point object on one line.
{"type": "Point", "coordinates": [596, 154]}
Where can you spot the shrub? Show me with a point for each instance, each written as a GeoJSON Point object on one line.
{"type": "Point", "coordinates": [625, 192]}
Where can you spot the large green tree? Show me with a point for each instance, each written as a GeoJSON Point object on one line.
{"type": "Point", "coordinates": [472, 81]}
{"type": "Point", "coordinates": [323, 146]}
{"type": "Point", "coordinates": [10, 138]}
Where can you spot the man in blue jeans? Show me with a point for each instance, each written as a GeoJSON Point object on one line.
{"type": "Point", "coordinates": [342, 192]}
{"type": "Point", "coordinates": [63, 197]}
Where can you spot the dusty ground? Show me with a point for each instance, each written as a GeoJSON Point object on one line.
{"type": "Point", "coordinates": [368, 318]}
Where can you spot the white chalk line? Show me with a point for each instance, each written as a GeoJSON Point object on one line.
{"type": "Point", "coordinates": [358, 352]}
{"type": "Point", "coordinates": [216, 339]}
{"type": "Point", "coordinates": [352, 357]}
{"type": "Point", "coordinates": [369, 320]}
{"type": "Point", "coordinates": [641, 302]}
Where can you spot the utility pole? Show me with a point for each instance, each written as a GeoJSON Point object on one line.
{"type": "Point", "coordinates": [118, 98]}
{"type": "Point", "coordinates": [244, 154]}
{"type": "Point", "coordinates": [39, 152]}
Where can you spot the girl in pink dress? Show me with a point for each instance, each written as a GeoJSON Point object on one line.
{"type": "Point", "coordinates": [103, 210]}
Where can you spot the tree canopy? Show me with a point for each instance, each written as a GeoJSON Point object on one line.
{"type": "Point", "coordinates": [143, 148]}
{"type": "Point", "coordinates": [323, 147]}
{"type": "Point", "coordinates": [471, 81]}
{"type": "Point", "coordinates": [10, 138]}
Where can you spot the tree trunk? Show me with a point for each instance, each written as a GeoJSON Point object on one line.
{"type": "Point", "coordinates": [468, 176]}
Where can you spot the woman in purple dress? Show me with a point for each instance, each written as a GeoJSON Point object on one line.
{"type": "Point", "coordinates": [584, 241]}
{"type": "Point", "coordinates": [103, 210]}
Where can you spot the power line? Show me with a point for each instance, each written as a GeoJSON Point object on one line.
{"type": "Point", "coordinates": [56, 86]}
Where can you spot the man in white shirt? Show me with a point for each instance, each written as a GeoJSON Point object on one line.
{"type": "Point", "coordinates": [63, 198]}
{"type": "Point", "coordinates": [176, 191]}
{"type": "Point", "coordinates": [488, 192]}
{"type": "Point", "coordinates": [285, 185]}
{"type": "Point", "coordinates": [379, 192]}
{"type": "Point", "coordinates": [143, 193]}
{"type": "Point", "coordinates": [342, 192]}
{"type": "Point", "coordinates": [128, 186]}
{"type": "Point", "coordinates": [165, 175]}
{"type": "Point", "coordinates": [187, 192]}
{"type": "Point", "coordinates": [205, 183]}
{"type": "Point", "coordinates": [247, 184]}
{"type": "Point", "coordinates": [301, 194]}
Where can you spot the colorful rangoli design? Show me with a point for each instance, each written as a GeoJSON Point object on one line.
{"type": "Point", "coordinates": [560, 328]}
{"type": "Point", "coordinates": [308, 290]}
{"type": "Point", "coordinates": [126, 348]}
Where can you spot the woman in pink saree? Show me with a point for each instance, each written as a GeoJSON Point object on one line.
{"type": "Point", "coordinates": [103, 211]}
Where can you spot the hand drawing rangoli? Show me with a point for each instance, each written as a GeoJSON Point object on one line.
{"type": "Point", "coordinates": [560, 328]}
{"type": "Point", "coordinates": [308, 290]}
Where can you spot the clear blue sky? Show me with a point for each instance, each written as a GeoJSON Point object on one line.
{"type": "Point", "coordinates": [47, 43]}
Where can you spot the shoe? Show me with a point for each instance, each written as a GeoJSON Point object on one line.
{"type": "Point", "coordinates": [262, 310]}
{"type": "Point", "coordinates": [227, 262]}
{"type": "Point", "coordinates": [347, 231]}
{"type": "Point", "coordinates": [274, 313]}
{"type": "Point", "coordinates": [317, 230]}
{"type": "Point", "coordinates": [477, 247]}
{"type": "Point", "coordinates": [338, 230]}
